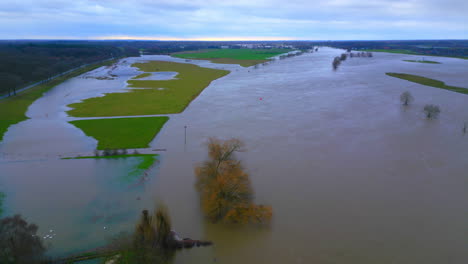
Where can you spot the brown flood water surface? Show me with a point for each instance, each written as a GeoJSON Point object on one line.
{"type": "Point", "coordinates": [352, 176]}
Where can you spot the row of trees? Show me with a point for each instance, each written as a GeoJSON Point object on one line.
{"type": "Point", "coordinates": [225, 190]}
{"type": "Point", "coordinates": [113, 152]}
{"type": "Point", "coordinates": [337, 60]}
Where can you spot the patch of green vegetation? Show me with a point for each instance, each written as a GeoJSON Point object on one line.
{"type": "Point", "coordinates": [174, 98]}
{"type": "Point", "coordinates": [13, 109]}
{"type": "Point", "coordinates": [143, 75]}
{"type": "Point", "coordinates": [429, 82]}
{"type": "Point", "coordinates": [122, 133]}
{"type": "Point", "coordinates": [110, 157]}
{"type": "Point", "coordinates": [143, 163]}
{"type": "Point", "coordinates": [243, 57]}
{"type": "Point", "coordinates": [423, 61]}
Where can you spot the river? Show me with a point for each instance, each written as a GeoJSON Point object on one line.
{"type": "Point", "coordinates": [351, 175]}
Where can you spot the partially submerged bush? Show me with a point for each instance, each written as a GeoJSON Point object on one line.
{"type": "Point", "coordinates": [406, 98]}
{"type": "Point", "coordinates": [431, 111]}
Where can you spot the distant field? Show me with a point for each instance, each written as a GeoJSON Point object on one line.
{"type": "Point", "coordinates": [13, 109]}
{"type": "Point", "coordinates": [143, 75]}
{"type": "Point", "coordinates": [122, 133]}
{"type": "Point", "coordinates": [399, 51]}
{"type": "Point", "coordinates": [243, 57]}
{"type": "Point", "coordinates": [403, 51]}
{"type": "Point", "coordinates": [171, 97]}
{"type": "Point", "coordinates": [423, 61]}
{"type": "Point", "coordinates": [429, 82]}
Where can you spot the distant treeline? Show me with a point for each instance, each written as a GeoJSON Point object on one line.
{"type": "Point", "coordinates": [25, 62]}
{"type": "Point", "coordinates": [449, 48]}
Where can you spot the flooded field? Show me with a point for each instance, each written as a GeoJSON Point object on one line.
{"type": "Point", "coordinates": [351, 175]}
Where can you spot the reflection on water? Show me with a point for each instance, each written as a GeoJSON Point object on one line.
{"type": "Point", "coordinates": [351, 175]}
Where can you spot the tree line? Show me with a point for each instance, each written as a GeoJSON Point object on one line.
{"type": "Point", "coordinates": [24, 62]}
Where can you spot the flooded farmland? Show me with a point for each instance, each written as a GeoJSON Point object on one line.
{"type": "Point", "coordinates": [351, 175]}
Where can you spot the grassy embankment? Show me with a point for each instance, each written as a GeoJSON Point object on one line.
{"type": "Point", "coordinates": [429, 82]}
{"type": "Point", "coordinates": [13, 109]}
{"type": "Point", "coordinates": [243, 57]}
{"type": "Point", "coordinates": [403, 51]}
{"type": "Point", "coordinates": [122, 133]}
{"type": "Point", "coordinates": [173, 98]}
{"type": "Point", "coordinates": [423, 61]}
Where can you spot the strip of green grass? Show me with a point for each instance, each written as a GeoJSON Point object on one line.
{"type": "Point", "coordinates": [176, 96]}
{"type": "Point", "coordinates": [13, 109]}
{"type": "Point", "coordinates": [143, 75]}
{"type": "Point", "coordinates": [243, 57]}
{"type": "Point", "coordinates": [429, 82]}
{"type": "Point", "coordinates": [122, 133]}
{"type": "Point", "coordinates": [423, 61]}
{"type": "Point", "coordinates": [110, 157]}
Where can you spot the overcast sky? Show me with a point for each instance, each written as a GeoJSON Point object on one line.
{"type": "Point", "coordinates": [234, 19]}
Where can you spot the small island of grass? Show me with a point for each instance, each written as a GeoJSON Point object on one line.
{"type": "Point", "coordinates": [423, 61]}
{"type": "Point", "coordinates": [428, 82]}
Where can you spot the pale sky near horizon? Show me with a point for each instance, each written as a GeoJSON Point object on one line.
{"type": "Point", "coordinates": [234, 19]}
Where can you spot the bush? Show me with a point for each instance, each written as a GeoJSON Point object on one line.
{"type": "Point", "coordinates": [406, 98]}
{"type": "Point", "coordinates": [431, 111]}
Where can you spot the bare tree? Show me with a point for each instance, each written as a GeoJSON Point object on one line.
{"type": "Point", "coordinates": [406, 98]}
{"type": "Point", "coordinates": [431, 111]}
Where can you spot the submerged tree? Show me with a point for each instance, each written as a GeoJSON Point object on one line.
{"type": "Point", "coordinates": [19, 242]}
{"type": "Point", "coordinates": [406, 98]}
{"type": "Point", "coordinates": [343, 57]}
{"type": "Point", "coordinates": [336, 62]}
{"type": "Point", "coordinates": [224, 186]}
{"type": "Point", "coordinates": [431, 111]}
{"type": "Point", "coordinates": [153, 240]}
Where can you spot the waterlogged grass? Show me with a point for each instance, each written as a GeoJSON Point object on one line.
{"type": "Point", "coordinates": [13, 109]}
{"type": "Point", "coordinates": [423, 61]}
{"type": "Point", "coordinates": [243, 57]}
{"type": "Point", "coordinates": [174, 98]}
{"type": "Point", "coordinates": [110, 157]}
{"type": "Point", "coordinates": [427, 81]}
{"type": "Point", "coordinates": [122, 133]}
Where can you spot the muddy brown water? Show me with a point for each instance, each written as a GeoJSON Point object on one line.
{"type": "Point", "coordinates": [352, 176]}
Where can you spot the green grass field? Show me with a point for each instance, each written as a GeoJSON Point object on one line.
{"type": "Point", "coordinates": [423, 61]}
{"type": "Point", "coordinates": [174, 98]}
{"type": "Point", "coordinates": [122, 133]}
{"type": "Point", "coordinates": [243, 57]}
{"type": "Point", "coordinates": [429, 82]}
{"type": "Point", "coordinates": [13, 109]}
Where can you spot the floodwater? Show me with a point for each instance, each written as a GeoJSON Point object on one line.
{"type": "Point", "coordinates": [351, 175]}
